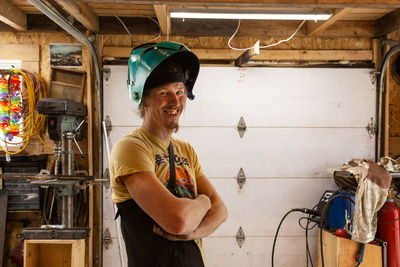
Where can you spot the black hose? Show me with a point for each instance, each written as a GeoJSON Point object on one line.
{"type": "Point", "coordinates": [308, 253]}
{"type": "Point", "coordinates": [322, 249]}
{"type": "Point", "coordinates": [277, 231]}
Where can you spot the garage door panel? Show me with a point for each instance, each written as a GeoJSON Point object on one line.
{"type": "Point", "coordinates": [275, 97]}
{"type": "Point", "coordinates": [284, 97]}
{"type": "Point", "coordinates": [256, 251]}
{"type": "Point", "coordinates": [117, 103]}
{"type": "Point", "coordinates": [300, 122]}
{"type": "Point", "coordinates": [109, 212]}
{"type": "Point", "coordinates": [276, 152]}
{"type": "Point", "coordinates": [272, 152]}
{"type": "Point", "coordinates": [260, 205]}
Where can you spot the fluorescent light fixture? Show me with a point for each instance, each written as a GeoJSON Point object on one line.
{"type": "Point", "coordinates": [246, 14]}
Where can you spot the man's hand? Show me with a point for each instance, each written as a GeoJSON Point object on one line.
{"type": "Point", "coordinates": [161, 232]}
{"type": "Point", "coordinates": [215, 216]}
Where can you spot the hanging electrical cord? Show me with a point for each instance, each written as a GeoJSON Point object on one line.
{"type": "Point", "coordinates": [306, 229]}
{"type": "Point", "coordinates": [308, 253]}
{"type": "Point", "coordinates": [130, 34]}
{"type": "Point", "coordinates": [307, 211]}
{"type": "Point", "coordinates": [33, 123]}
{"type": "Point", "coordinates": [319, 216]}
{"type": "Point", "coordinates": [264, 46]}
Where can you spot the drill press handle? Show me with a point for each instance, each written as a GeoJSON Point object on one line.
{"type": "Point", "coordinates": [76, 143]}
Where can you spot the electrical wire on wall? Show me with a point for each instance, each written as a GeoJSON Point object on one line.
{"type": "Point", "coordinates": [310, 225]}
{"type": "Point", "coordinates": [318, 215]}
{"type": "Point", "coordinates": [264, 46]}
{"type": "Point", "coordinates": [310, 219]}
{"type": "Point", "coordinates": [131, 35]}
{"type": "Point", "coordinates": [33, 89]}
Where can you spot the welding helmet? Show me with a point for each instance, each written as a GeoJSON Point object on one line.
{"type": "Point", "coordinates": [154, 64]}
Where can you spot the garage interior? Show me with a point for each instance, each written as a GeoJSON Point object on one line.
{"type": "Point", "coordinates": [326, 91]}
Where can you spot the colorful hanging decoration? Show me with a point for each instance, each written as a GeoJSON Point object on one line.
{"type": "Point", "coordinates": [10, 106]}
{"type": "Point", "coordinates": [15, 104]}
{"type": "Point", "coordinates": [20, 90]}
{"type": "Point", "coordinates": [4, 107]}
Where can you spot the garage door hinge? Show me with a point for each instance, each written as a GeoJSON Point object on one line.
{"type": "Point", "coordinates": [373, 76]}
{"type": "Point", "coordinates": [106, 73]}
{"type": "Point", "coordinates": [372, 128]}
{"type": "Point", "coordinates": [241, 178]}
{"type": "Point", "coordinates": [240, 237]}
{"type": "Point", "coordinates": [108, 123]}
{"type": "Point", "coordinates": [241, 127]}
{"type": "Point", "coordinates": [107, 238]}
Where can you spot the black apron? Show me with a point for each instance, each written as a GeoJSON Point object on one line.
{"type": "Point", "coordinates": [144, 248]}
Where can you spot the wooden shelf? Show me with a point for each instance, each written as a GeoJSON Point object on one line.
{"type": "Point", "coordinates": [67, 83]}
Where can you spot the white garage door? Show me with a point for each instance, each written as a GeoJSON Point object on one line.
{"type": "Point", "coordinates": [300, 122]}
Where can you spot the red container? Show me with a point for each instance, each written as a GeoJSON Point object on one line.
{"type": "Point", "coordinates": [389, 231]}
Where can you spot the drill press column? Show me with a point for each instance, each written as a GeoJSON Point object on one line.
{"type": "Point", "coordinates": [67, 156]}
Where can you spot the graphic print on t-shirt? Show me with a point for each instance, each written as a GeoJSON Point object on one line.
{"type": "Point", "coordinates": [184, 184]}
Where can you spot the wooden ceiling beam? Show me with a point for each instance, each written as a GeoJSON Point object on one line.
{"type": "Point", "coordinates": [12, 16]}
{"type": "Point", "coordinates": [288, 55]}
{"type": "Point", "coordinates": [388, 23]}
{"type": "Point", "coordinates": [315, 28]}
{"type": "Point", "coordinates": [82, 12]}
{"type": "Point", "coordinates": [265, 55]}
{"type": "Point", "coordinates": [268, 3]}
{"type": "Point", "coordinates": [163, 18]}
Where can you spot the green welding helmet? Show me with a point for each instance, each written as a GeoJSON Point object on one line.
{"type": "Point", "coordinates": [154, 64]}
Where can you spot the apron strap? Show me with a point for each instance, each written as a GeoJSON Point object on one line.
{"type": "Point", "coordinates": [172, 175]}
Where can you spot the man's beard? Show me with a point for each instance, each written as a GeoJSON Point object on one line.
{"type": "Point", "coordinates": [173, 127]}
{"type": "Point", "coordinates": [175, 130]}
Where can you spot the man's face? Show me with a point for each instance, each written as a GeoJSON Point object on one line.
{"type": "Point", "coordinates": [164, 105]}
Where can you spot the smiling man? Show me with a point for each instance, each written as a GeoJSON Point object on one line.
{"type": "Point", "coordinates": [165, 201]}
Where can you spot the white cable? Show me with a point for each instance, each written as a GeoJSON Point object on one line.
{"type": "Point", "coordinates": [265, 46]}
{"type": "Point", "coordinates": [233, 35]}
{"type": "Point", "coordinates": [130, 34]}
{"type": "Point", "coordinates": [123, 24]}
{"type": "Point", "coordinates": [159, 30]}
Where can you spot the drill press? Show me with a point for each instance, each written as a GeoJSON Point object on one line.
{"type": "Point", "coordinates": [64, 118]}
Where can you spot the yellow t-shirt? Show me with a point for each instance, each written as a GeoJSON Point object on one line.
{"type": "Point", "coordinates": [141, 151]}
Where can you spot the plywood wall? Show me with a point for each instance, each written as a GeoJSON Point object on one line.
{"type": "Point", "coordinates": [43, 40]}
{"type": "Point", "coordinates": [309, 43]}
